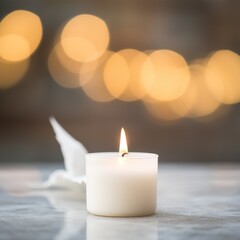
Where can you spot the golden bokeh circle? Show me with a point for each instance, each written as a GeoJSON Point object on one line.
{"type": "Point", "coordinates": [165, 75]}
{"type": "Point", "coordinates": [223, 76]}
{"type": "Point", "coordinates": [12, 72]}
{"type": "Point", "coordinates": [96, 89]}
{"type": "Point", "coordinates": [85, 38]}
{"type": "Point", "coordinates": [20, 35]}
{"type": "Point", "coordinates": [116, 75]}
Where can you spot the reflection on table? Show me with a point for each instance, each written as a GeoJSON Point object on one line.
{"type": "Point", "coordinates": [193, 201]}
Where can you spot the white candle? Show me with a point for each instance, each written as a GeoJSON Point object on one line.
{"type": "Point", "coordinates": [121, 186]}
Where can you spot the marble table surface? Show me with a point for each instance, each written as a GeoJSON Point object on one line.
{"type": "Point", "coordinates": [194, 202]}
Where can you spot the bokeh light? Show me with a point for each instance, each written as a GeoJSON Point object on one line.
{"type": "Point", "coordinates": [96, 88]}
{"type": "Point", "coordinates": [88, 70]}
{"type": "Point", "coordinates": [183, 106]}
{"type": "Point", "coordinates": [116, 75]}
{"type": "Point", "coordinates": [135, 61]}
{"type": "Point", "coordinates": [161, 110]}
{"type": "Point", "coordinates": [169, 88]}
{"type": "Point", "coordinates": [14, 47]}
{"type": "Point", "coordinates": [174, 109]}
{"type": "Point", "coordinates": [69, 64]}
{"type": "Point", "coordinates": [59, 73]}
{"type": "Point", "coordinates": [196, 101]}
{"type": "Point", "coordinates": [204, 103]}
{"type": "Point", "coordinates": [166, 75]}
{"type": "Point", "coordinates": [223, 76]}
{"type": "Point", "coordinates": [67, 72]}
{"type": "Point", "coordinates": [12, 72]}
{"type": "Point", "coordinates": [85, 38]}
{"type": "Point", "coordinates": [20, 35]}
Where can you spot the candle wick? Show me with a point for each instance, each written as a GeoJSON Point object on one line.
{"type": "Point", "coordinates": [124, 154]}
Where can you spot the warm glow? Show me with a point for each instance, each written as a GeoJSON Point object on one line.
{"type": "Point", "coordinates": [116, 75]}
{"type": "Point", "coordinates": [138, 91]}
{"type": "Point", "coordinates": [68, 72]}
{"type": "Point", "coordinates": [161, 110]}
{"type": "Point", "coordinates": [123, 148]}
{"type": "Point", "coordinates": [196, 101]}
{"type": "Point", "coordinates": [183, 105]}
{"type": "Point", "coordinates": [95, 87]}
{"type": "Point", "coordinates": [69, 64]}
{"type": "Point", "coordinates": [135, 61]}
{"type": "Point", "coordinates": [88, 71]}
{"type": "Point", "coordinates": [12, 72]}
{"type": "Point", "coordinates": [60, 74]}
{"type": "Point", "coordinates": [172, 110]}
{"type": "Point", "coordinates": [223, 76]}
{"type": "Point", "coordinates": [85, 38]}
{"type": "Point", "coordinates": [204, 103]}
{"type": "Point", "coordinates": [14, 47]}
{"type": "Point", "coordinates": [20, 35]}
{"type": "Point", "coordinates": [165, 75]}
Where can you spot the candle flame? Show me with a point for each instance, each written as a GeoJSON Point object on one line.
{"type": "Point", "coordinates": [123, 148]}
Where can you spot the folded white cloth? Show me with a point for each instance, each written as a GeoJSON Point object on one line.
{"type": "Point", "coordinates": [74, 161]}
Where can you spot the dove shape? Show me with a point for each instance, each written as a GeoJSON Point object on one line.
{"type": "Point", "coordinates": [72, 150]}
{"type": "Point", "coordinates": [74, 161]}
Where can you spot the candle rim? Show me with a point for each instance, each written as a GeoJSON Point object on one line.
{"type": "Point", "coordinates": [115, 155]}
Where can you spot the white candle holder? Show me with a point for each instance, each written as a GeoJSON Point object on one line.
{"type": "Point", "coordinates": [121, 186]}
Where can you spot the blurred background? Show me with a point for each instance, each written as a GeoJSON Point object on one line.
{"type": "Point", "coordinates": [168, 71]}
